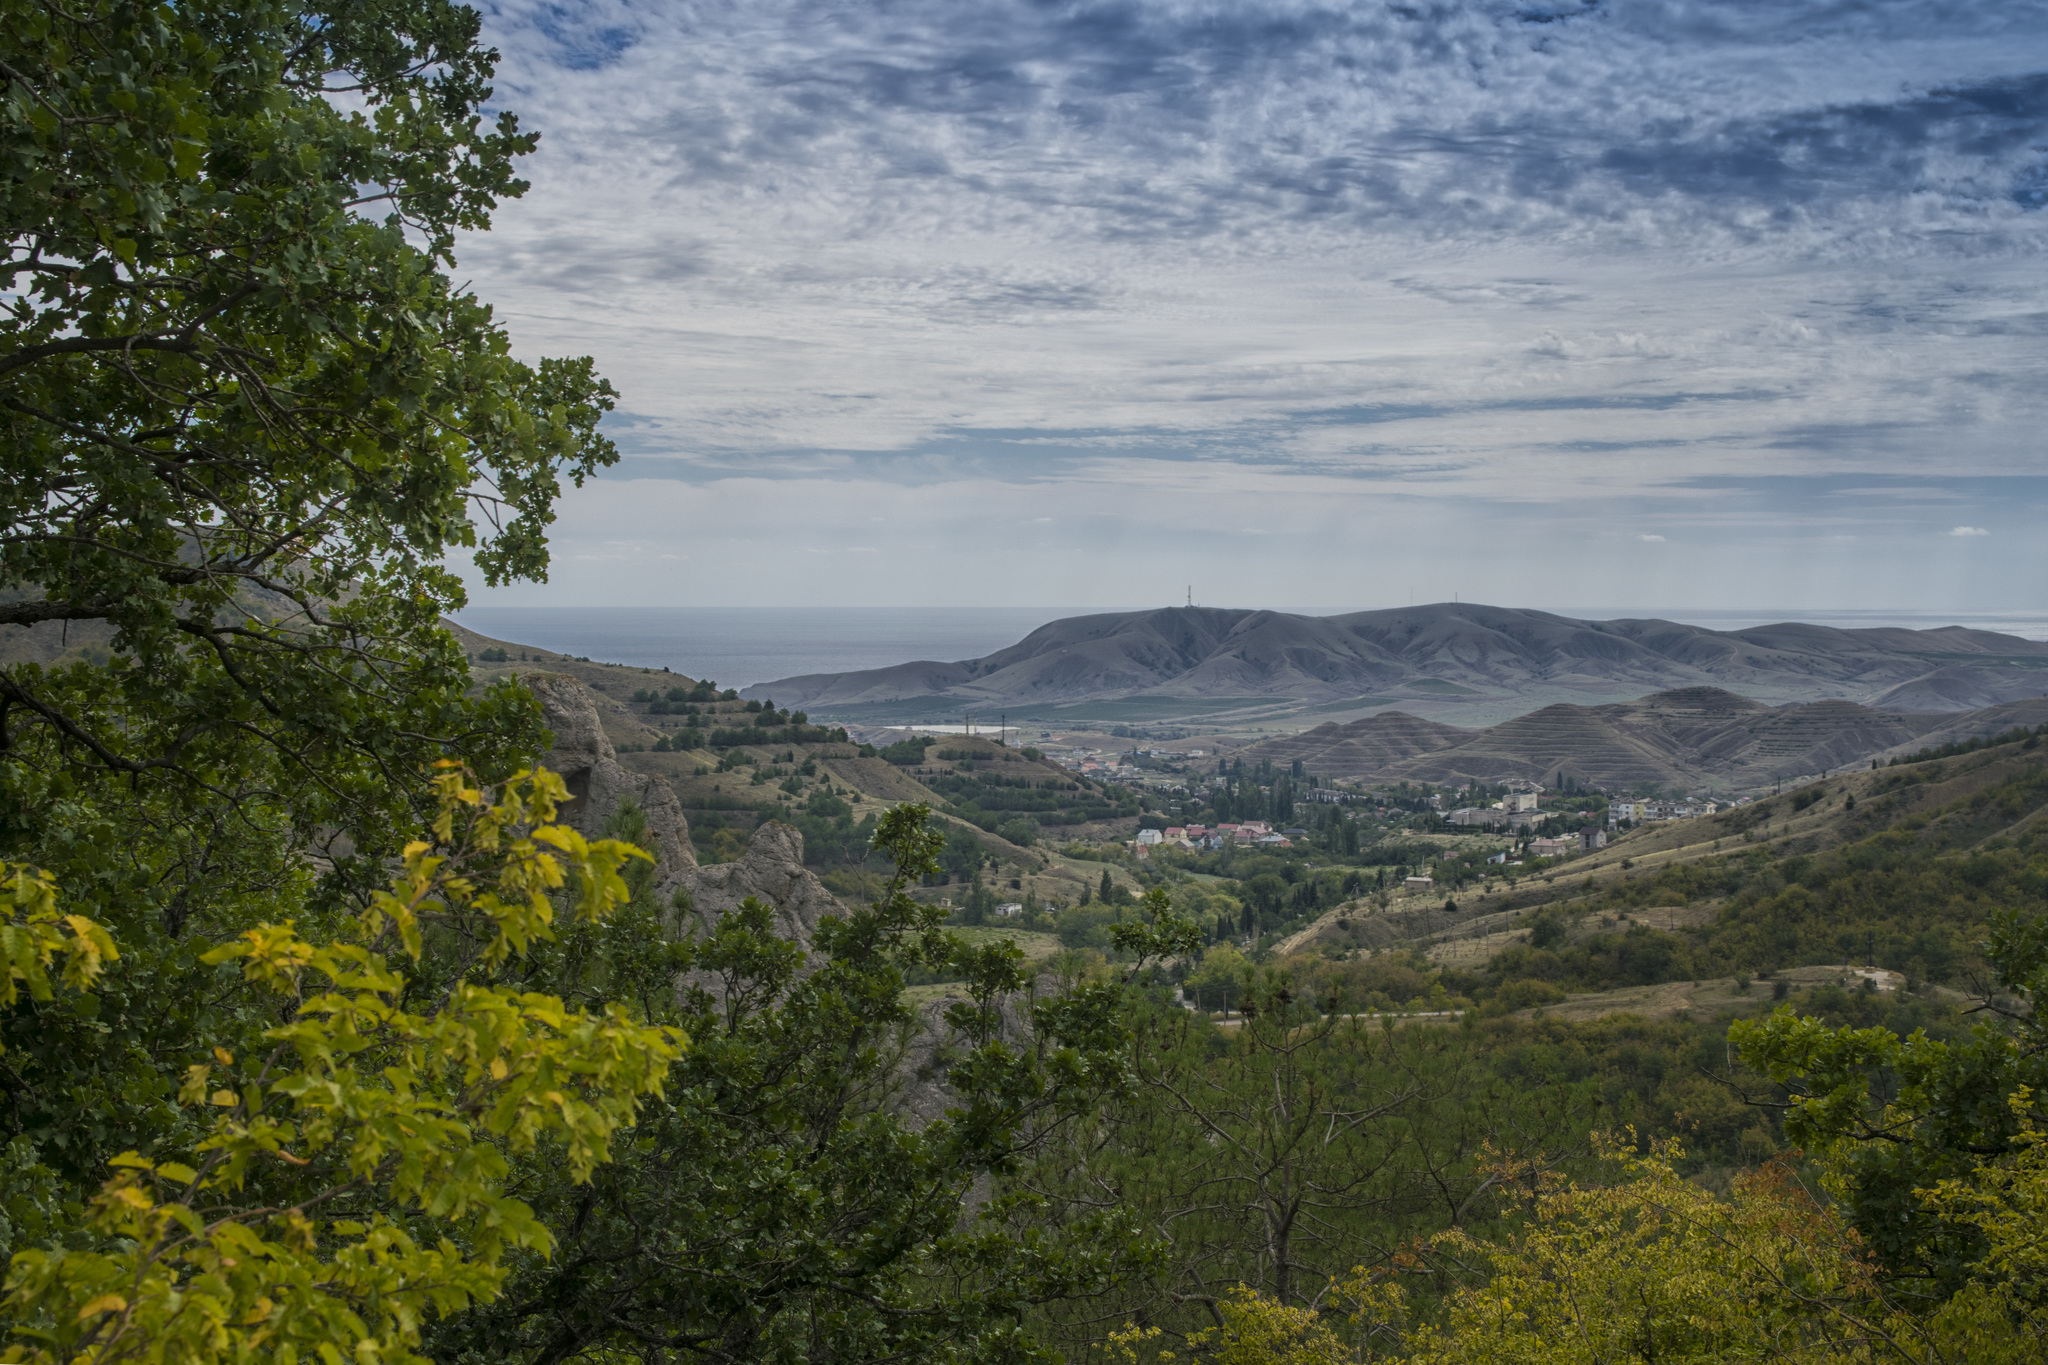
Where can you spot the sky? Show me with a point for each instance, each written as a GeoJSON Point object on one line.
{"type": "Point", "coordinates": [1615, 305]}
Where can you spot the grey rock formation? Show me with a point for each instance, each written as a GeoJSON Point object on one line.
{"type": "Point", "coordinates": [772, 871]}
{"type": "Point", "coordinates": [599, 784]}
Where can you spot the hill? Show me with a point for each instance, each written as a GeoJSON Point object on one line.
{"type": "Point", "coordinates": [728, 774]}
{"type": "Point", "coordinates": [1432, 659]}
{"type": "Point", "coordinates": [1898, 869]}
{"type": "Point", "coordinates": [1687, 738]}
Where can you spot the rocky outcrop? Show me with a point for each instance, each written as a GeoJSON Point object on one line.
{"type": "Point", "coordinates": [599, 784]}
{"type": "Point", "coordinates": [773, 872]}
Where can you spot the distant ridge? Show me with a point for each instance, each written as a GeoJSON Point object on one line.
{"type": "Point", "coordinates": [1689, 738]}
{"type": "Point", "coordinates": [1436, 653]}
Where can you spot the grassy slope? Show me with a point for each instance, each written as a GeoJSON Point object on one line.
{"type": "Point", "coordinates": [1799, 884]}
{"type": "Point", "coordinates": [871, 785]}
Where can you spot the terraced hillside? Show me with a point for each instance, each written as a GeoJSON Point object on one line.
{"type": "Point", "coordinates": [1689, 738]}
{"type": "Point", "coordinates": [1360, 748]}
{"type": "Point", "coordinates": [733, 766]}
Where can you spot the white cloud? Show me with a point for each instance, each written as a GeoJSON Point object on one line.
{"type": "Point", "coordinates": [1969, 531]}
{"type": "Point", "coordinates": [1653, 539]}
{"type": "Point", "coordinates": [1630, 263]}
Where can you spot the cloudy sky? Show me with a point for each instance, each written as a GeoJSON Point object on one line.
{"type": "Point", "coordinates": [1622, 304]}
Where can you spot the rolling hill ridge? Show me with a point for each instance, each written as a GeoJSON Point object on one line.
{"type": "Point", "coordinates": [1492, 661]}
{"type": "Point", "coordinates": [1686, 738]}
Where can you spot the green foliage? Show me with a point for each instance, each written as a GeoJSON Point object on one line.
{"type": "Point", "coordinates": [962, 854]}
{"type": "Point", "coordinates": [353, 1175]}
{"type": "Point", "coordinates": [994, 799]}
{"type": "Point", "coordinates": [1293, 1147]}
{"type": "Point", "coordinates": [908, 752]}
{"type": "Point", "coordinates": [1902, 1115]}
{"type": "Point", "coordinates": [787, 734]}
{"type": "Point", "coordinates": [243, 422]}
{"type": "Point", "coordinates": [1653, 1267]}
{"type": "Point", "coordinates": [1915, 896]}
{"type": "Point", "coordinates": [2021, 735]}
{"type": "Point", "coordinates": [772, 1206]}
{"type": "Point", "coordinates": [1220, 980]}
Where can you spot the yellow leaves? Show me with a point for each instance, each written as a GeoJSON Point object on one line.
{"type": "Point", "coordinates": [272, 954]}
{"type": "Point", "coordinates": [1654, 1266]}
{"type": "Point", "coordinates": [1133, 1344]}
{"type": "Point", "coordinates": [33, 936]}
{"type": "Point", "coordinates": [528, 857]}
{"type": "Point", "coordinates": [2006, 1200]}
{"type": "Point", "coordinates": [1259, 1331]}
{"type": "Point", "coordinates": [423, 1105]}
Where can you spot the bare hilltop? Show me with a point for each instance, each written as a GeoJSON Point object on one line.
{"type": "Point", "coordinates": [1446, 662]}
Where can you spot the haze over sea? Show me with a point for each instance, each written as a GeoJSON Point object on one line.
{"type": "Point", "coordinates": [741, 646]}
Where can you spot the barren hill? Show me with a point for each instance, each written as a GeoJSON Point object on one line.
{"type": "Point", "coordinates": [1688, 737]}
{"type": "Point", "coordinates": [1211, 656]}
{"type": "Point", "coordinates": [1372, 745]}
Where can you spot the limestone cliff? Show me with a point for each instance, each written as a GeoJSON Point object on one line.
{"type": "Point", "coordinates": [772, 871]}
{"type": "Point", "coordinates": [599, 784]}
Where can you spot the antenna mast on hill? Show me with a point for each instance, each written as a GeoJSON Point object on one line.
{"type": "Point", "coordinates": [1191, 594]}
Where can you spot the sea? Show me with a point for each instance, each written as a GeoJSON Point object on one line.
{"type": "Point", "coordinates": [741, 646]}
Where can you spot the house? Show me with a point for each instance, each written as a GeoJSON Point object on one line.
{"type": "Point", "coordinates": [1008, 908]}
{"type": "Point", "coordinates": [1274, 841]}
{"type": "Point", "coordinates": [1592, 837]}
{"type": "Point", "coordinates": [1500, 857]}
{"type": "Point", "coordinates": [1418, 883]}
{"type": "Point", "coordinates": [1148, 837]}
{"type": "Point", "coordinates": [1553, 848]}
